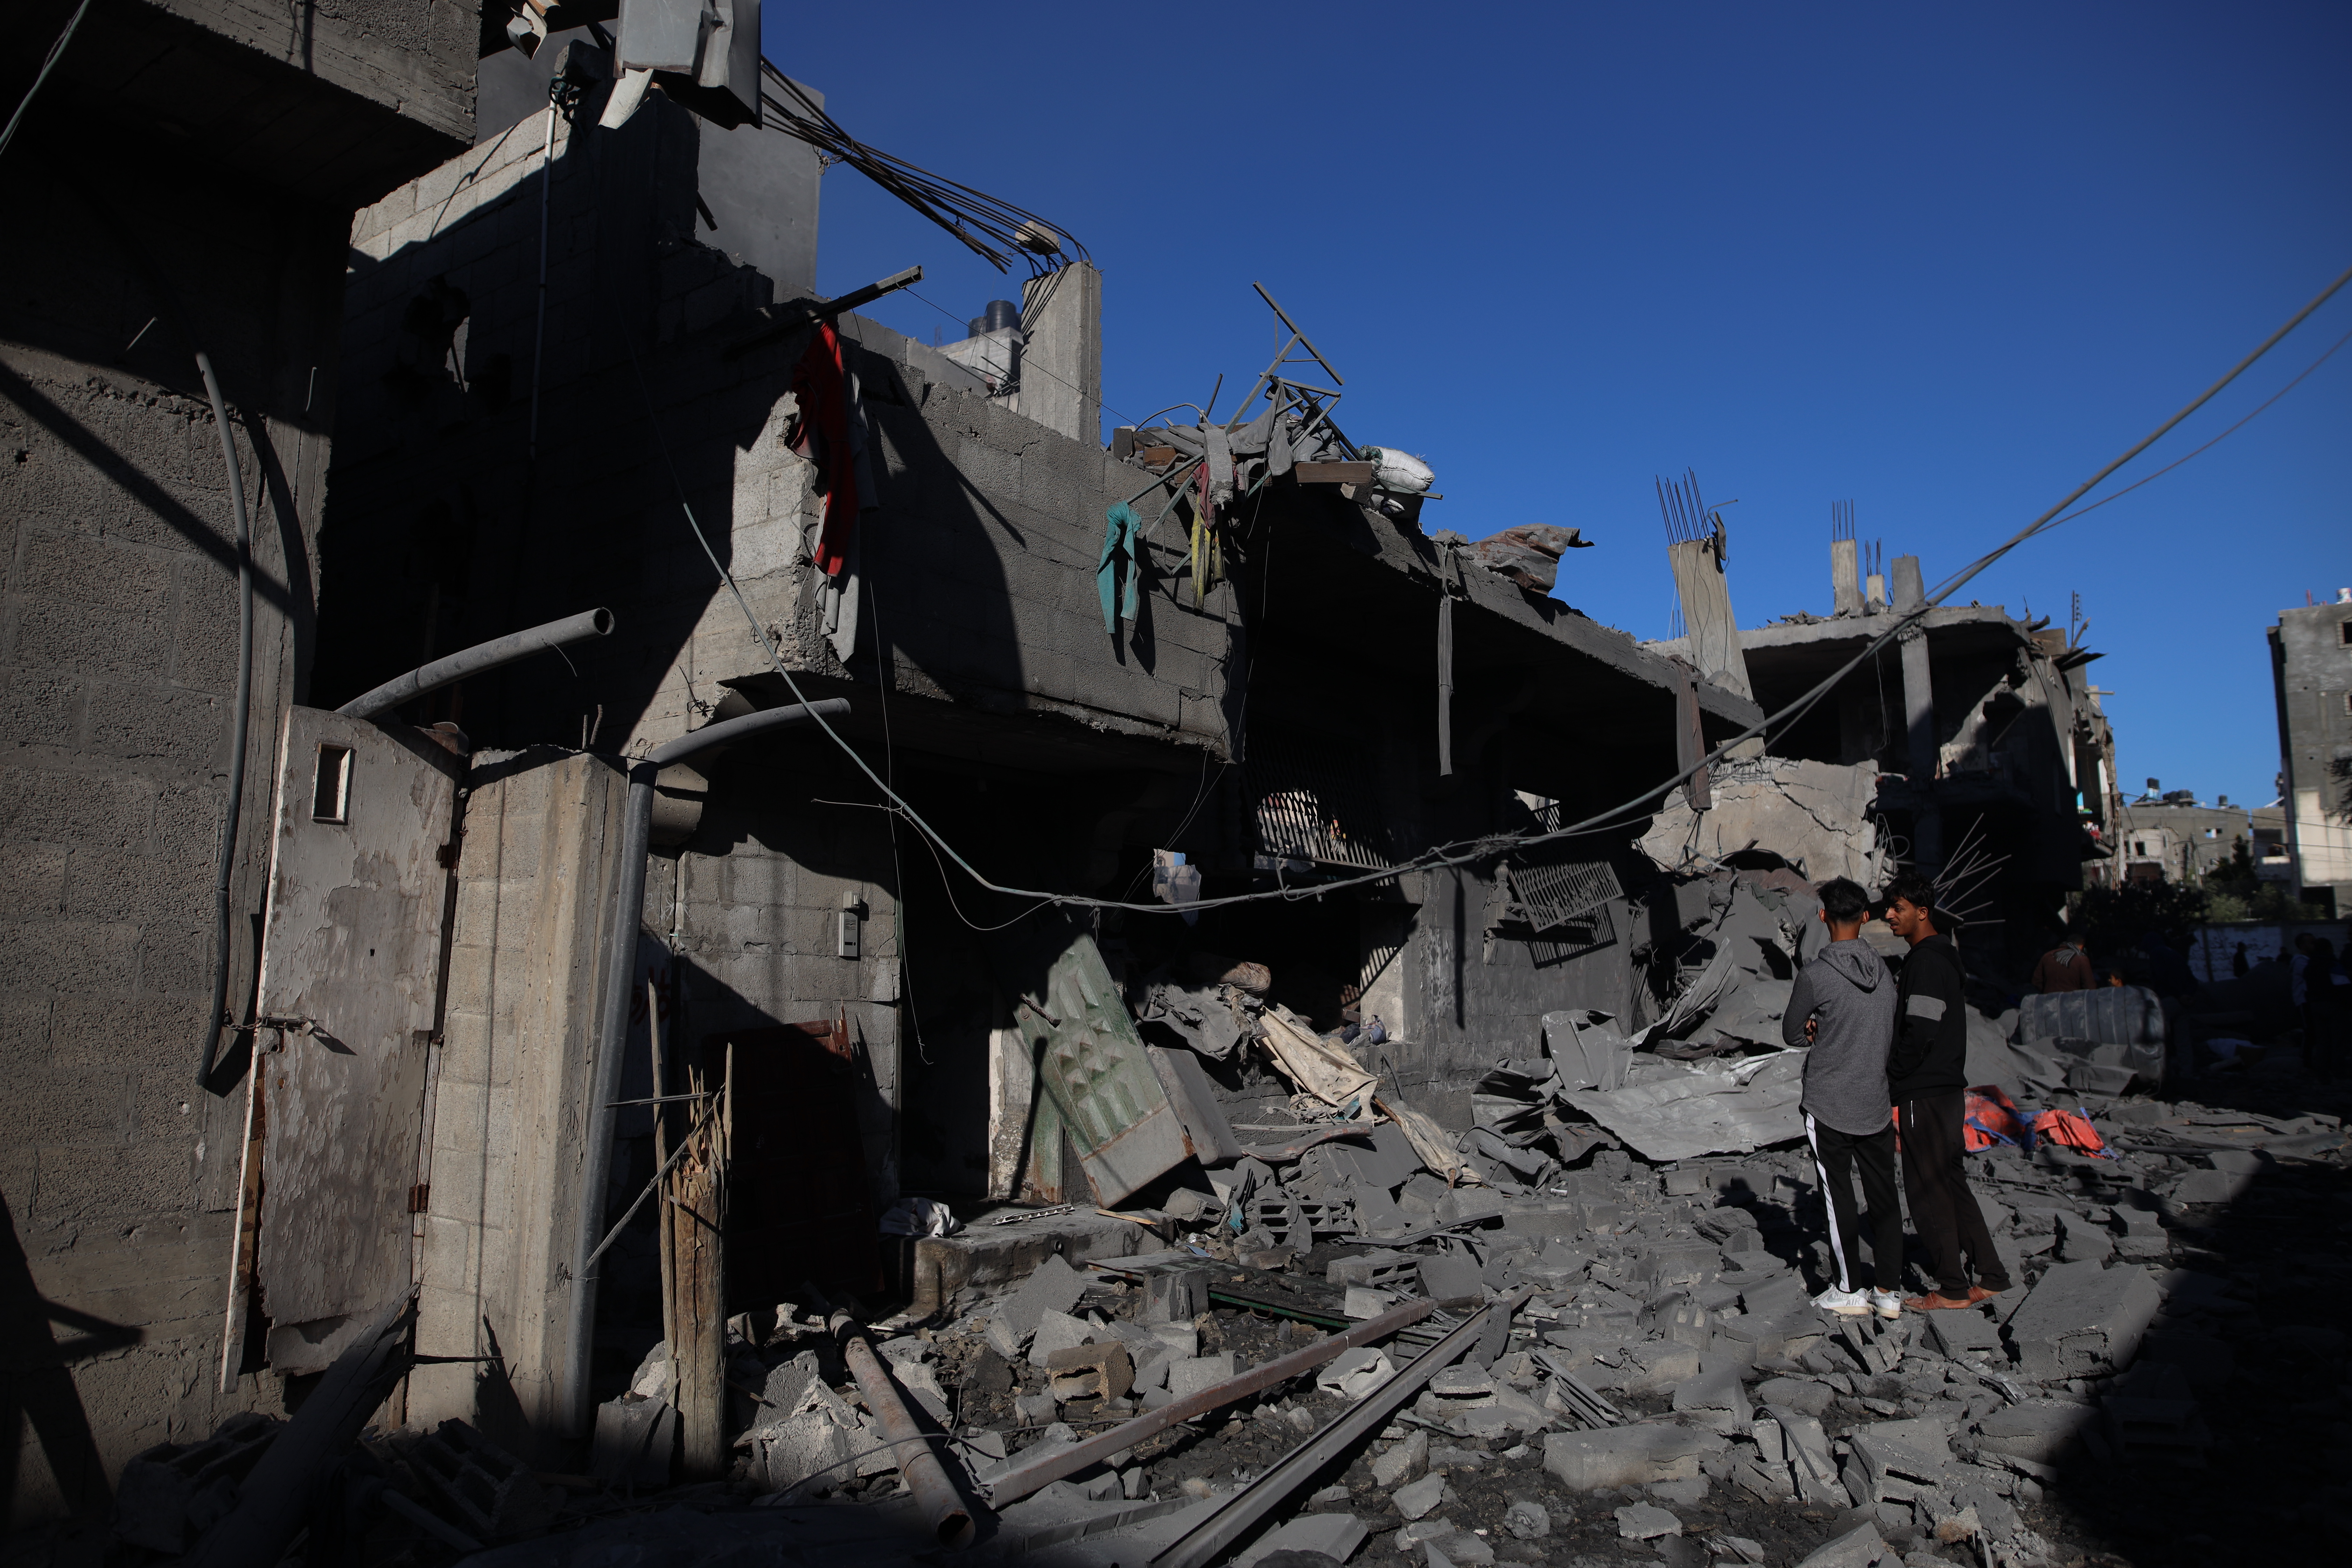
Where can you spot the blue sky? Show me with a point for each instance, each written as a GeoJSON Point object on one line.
{"type": "Point", "coordinates": [1943, 263]}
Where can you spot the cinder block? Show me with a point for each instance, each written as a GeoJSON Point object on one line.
{"type": "Point", "coordinates": [172, 1492]}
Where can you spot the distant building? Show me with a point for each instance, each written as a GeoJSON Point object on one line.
{"type": "Point", "coordinates": [2311, 671]}
{"type": "Point", "coordinates": [2172, 838]}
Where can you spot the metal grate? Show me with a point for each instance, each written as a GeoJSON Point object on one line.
{"type": "Point", "coordinates": [1318, 811]}
{"type": "Point", "coordinates": [1552, 892]}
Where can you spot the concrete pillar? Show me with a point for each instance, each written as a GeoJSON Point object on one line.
{"type": "Point", "coordinates": [1061, 363]}
{"type": "Point", "coordinates": [1845, 577]}
{"type": "Point", "coordinates": [1919, 716]}
{"type": "Point", "coordinates": [1706, 598]}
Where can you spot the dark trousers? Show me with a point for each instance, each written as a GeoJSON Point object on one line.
{"type": "Point", "coordinates": [1950, 1226]}
{"type": "Point", "coordinates": [1872, 1154]}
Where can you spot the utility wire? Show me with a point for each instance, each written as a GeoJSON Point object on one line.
{"type": "Point", "coordinates": [56, 50]}
{"type": "Point", "coordinates": [1462, 851]}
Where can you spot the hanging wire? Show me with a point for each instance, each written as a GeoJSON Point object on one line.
{"type": "Point", "coordinates": [995, 231]}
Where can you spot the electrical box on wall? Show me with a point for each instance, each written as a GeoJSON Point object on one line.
{"type": "Point", "coordinates": [849, 943]}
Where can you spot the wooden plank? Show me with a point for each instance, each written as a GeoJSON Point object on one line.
{"type": "Point", "coordinates": [699, 1312]}
{"type": "Point", "coordinates": [350, 969]}
{"type": "Point", "coordinates": [1334, 473]}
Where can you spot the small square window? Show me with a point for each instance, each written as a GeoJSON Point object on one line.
{"type": "Point", "coordinates": [2344, 633]}
{"type": "Point", "coordinates": [331, 790]}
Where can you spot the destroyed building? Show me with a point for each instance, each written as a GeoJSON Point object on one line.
{"type": "Point", "coordinates": [807, 926]}
{"type": "Point", "coordinates": [2311, 675]}
{"type": "Point", "coordinates": [1974, 738]}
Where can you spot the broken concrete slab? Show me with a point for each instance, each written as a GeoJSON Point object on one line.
{"type": "Point", "coordinates": [1646, 1521]}
{"type": "Point", "coordinates": [1393, 1468]}
{"type": "Point", "coordinates": [1451, 1279]}
{"type": "Point", "coordinates": [173, 1491]}
{"type": "Point", "coordinates": [1628, 1456]}
{"type": "Point", "coordinates": [1052, 1286]}
{"type": "Point", "coordinates": [1192, 1375]}
{"type": "Point", "coordinates": [1526, 1520]}
{"type": "Point", "coordinates": [1057, 1331]}
{"type": "Point", "coordinates": [2082, 1321]}
{"type": "Point", "coordinates": [1335, 1536]}
{"type": "Point", "coordinates": [1418, 1497]}
{"type": "Point", "coordinates": [1857, 1548]}
{"type": "Point", "coordinates": [1353, 1373]}
{"type": "Point", "coordinates": [2044, 1432]}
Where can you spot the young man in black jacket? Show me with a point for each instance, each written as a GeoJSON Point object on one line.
{"type": "Point", "coordinates": [1928, 1075]}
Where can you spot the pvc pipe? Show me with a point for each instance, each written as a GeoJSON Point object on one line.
{"type": "Point", "coordinates": [474, 660]}
{"type": "Point", "coordinates": [613, 1025]}
{"type": "Point", "coordinates": [910, 1448]}
{"type": "Point", "coordinates": [241, 726]}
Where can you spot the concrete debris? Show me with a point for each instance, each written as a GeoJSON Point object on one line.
{"type": "Point", "coordinates": [175, 1491]}
{"type": "Point", "coordinates": [1816, 816]}
{"type": "Point", "coordinates": [1705, 1110]}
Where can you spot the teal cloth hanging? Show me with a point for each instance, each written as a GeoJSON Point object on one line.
{"type": "Point", "coordinates": [1123, 536]}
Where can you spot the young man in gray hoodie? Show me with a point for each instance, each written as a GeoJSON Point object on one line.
{"type": "Point", "coordinates": [1844, 1006]}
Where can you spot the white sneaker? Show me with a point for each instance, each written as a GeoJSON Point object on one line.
{"type": "Point", "coordinates": [1845, 1303]}
{"type": "Point", "coordinates": [1886, 1304]}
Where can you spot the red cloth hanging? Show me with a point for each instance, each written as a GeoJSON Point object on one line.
{"type": "Point", "coordinates": [822, 386]}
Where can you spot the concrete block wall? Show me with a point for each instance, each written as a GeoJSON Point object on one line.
{"type": "Point", "coordinates": [416, 55]}
{"type": "Point", "coordinates": [118, 656]}
{"type": "Point", "coordinates": [119, 610]}
{"type": "Point", "coordinates": [757, 929]}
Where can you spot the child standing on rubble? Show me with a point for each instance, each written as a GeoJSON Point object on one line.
{"type": "Point", "coordinates": [1843, 1003]}
{"type": "Point", "coordinates": [1928, 1072]}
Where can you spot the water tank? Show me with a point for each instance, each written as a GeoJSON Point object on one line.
{"type": "Point", "coordinates": [1002, 313]}
{"type": "Point", "coordinates": [976, 326]}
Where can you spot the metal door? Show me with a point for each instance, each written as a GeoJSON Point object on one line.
{"type": "Point", "coordinates": [351, 991]}
{"type": "Point", "coordinates": [1095, 1083]}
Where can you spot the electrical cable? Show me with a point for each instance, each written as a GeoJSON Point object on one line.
{"type": "Point", "coordinates": [241, 718]}
{"type": "Point", "coordinates": [992, 229]}
{"type": "Point", "coordinates": [48, 65]}
{"type": "Point", "coordinates": [1463, 851]}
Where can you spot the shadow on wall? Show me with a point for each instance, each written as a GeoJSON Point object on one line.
{"type": "Point", "coordinates": [443, 530]}
{"type": "Point", "coordinates": [38, 1400]}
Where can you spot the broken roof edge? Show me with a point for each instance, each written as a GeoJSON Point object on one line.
{"type": "Point", "coordinates": [1552, 618]}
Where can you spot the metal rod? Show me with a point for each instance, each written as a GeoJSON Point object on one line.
{"type": "Point", "coordinates": [1029, 1477]}
{"type": "Point", "coordinates": [918, 1462]}
{"type": "Point", "coordinates": [810, 310]}
{"type": "Point", "coordinates": [613, 1028]}
{"type": "Point", "coordinates": [1230, 1520]}
{"type": "Point", "coordinates": [481, 657]}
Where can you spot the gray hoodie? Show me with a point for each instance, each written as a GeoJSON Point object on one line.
{"type": "Point", "coordinates": [1847, 986]}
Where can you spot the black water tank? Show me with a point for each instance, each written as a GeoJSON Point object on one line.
{"type": "Point", "coordinates": [1002, 313]}
{"type": "Point", "coordinates": [976, 326]}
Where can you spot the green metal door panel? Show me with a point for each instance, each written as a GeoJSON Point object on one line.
{"type": "Point", "coordinates": [1094, 1076]}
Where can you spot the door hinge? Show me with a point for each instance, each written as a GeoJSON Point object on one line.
{"type": "Point", "coordinates": [420, 1197]}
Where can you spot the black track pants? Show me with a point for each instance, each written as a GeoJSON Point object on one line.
{"type": "Point", "coordinates": [1950, 1226]}
{"type": "Point", "coordinates": [1873, 1153]}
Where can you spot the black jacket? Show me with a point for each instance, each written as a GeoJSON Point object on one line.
{"type": "Point", "coordinates": [1931, 1023]}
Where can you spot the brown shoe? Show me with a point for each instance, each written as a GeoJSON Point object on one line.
{"type": "Point", "coordinates": [1935, 1302]}
{"type": "Point", "coordinates": [1982, 1293]}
